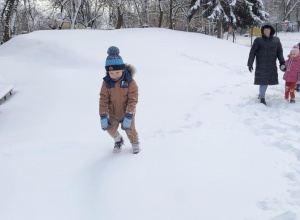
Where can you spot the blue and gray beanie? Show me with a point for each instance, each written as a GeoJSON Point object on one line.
{"type": "Point", "coordinates": [114, 61]}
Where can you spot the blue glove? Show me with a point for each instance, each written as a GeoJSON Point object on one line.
{"type": "Point", "coordinates": [104, 122]}
{"type": "Point", "coordinates": [126, 121]}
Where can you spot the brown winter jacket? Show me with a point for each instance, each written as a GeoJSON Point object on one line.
{"type": "Point", "coordinates": [118, 98]}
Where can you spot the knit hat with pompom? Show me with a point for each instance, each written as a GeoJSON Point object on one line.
{"type": "Point", "coordinates": [114, 61]}
{"type": "Point", "coordinates": [295, 50]}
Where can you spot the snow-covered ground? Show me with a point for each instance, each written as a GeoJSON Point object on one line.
{"type": "Point", "coordinates": [210, 151]}
{"type": "Point", "coordinates": [288, 39]}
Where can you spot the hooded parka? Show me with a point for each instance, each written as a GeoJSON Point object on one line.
{"type": "Point", "coordinates": [266, 51]}
{"type": "Point", "coordinates": [119, 97]}
{"type": "Point", "coordinates": [292, 73]}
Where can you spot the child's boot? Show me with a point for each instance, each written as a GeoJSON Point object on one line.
{"type": "Point", "coordinates": [263, 101]}
{"type": "Point", "coordinates": [292, 101]}
{"type": "Point", "coordinates": [118, 145]}
{"type": "Point", "coordinates": [286, 98]}
{"type": "Point", "coordinates": [136, 148]}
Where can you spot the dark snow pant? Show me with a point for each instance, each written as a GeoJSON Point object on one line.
{"type": "Point", "coordinates": [290, 89]}
{"type": "Point", "coordinates": [131, 132]}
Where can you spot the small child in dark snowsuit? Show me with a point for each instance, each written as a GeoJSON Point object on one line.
{"type": "Point", "coordinates": [292, 73]}
{"type": "Point", "coordinates": [118, 99]}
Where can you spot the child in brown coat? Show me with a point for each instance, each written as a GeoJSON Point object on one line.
{"type": "Point", "coordinates": [118, 99]}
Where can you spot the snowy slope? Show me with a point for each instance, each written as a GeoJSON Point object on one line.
{"type": "Point", "coordinates": [209, 149]}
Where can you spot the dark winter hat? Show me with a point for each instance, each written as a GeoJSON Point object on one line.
{"type": "Point", "coordinates": [114, 61]}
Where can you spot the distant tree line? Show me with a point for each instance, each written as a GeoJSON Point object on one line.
{"type": "Point", "coordinates": [24, 16]}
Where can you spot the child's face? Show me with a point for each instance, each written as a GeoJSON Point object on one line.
{"type": "Point", "coordinates": [292, 55]}
{"type": "Point", "coordinates": [115, 74]}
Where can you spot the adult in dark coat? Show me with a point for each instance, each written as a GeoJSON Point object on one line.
{"type": "Point", "coordinates": [266, 49]}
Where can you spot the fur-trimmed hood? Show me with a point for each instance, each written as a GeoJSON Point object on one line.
{"type": "Point", "coordinates": [127, 76]}
{"type": "Point", "coordinates": [130, 68]}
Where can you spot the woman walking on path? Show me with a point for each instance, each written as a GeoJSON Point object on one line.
{"type": "Point", "coordinates": [266, 49]}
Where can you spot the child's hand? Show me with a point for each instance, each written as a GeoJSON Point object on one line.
{"type": "Point", "coordinates": [104, 122]}
{"type": "Point", "coordinates": [126, 121]}
{"type": "Point", "coordinates": [282, 67]}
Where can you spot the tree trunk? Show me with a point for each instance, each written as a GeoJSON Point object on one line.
{"type": "Point", "coordinates": [120, 17]}
{"type": "Point", "coordinates": [161, 14]}
{"type": "Point", "coordinates": [28, 15]}
{"type": "Point", "coordinates": [146, 20]}
{"type": "Point", "coordinates": [139, 14]}
{"type": "Point", "coordinates": [74, 8]}
{"type": "Point", "coordinates": [62, 17]}
{"type": "Point", "coordinates": [13, 19]}
{"type": "Point", "coordinates": [2, 10]}
{"type": "Point", "coordinates": [219, 28]}
{"type": "Point", "coordinates": [8, 14]}
{"type": "Point", "coordinates": [171, 15]}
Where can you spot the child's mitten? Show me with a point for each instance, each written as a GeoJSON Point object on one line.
{"type": "Point", "coordinates": [104, 122]}
{"type": "Point", "coordinates": [126, 121]}
{"type": "Point", "coordinates": [282, 67]}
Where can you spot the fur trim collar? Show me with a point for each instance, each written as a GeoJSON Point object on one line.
{"type": "Point", "coordinates": [130, 68]}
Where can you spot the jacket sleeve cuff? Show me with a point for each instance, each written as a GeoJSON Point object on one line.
{"type": "Point", "coordinates": [129, 116]}
{"type": "Point", "coordinates": [103, 116]}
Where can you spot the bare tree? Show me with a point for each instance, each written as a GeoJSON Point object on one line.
{"type": "Point", "coordinates": [179, 14]}
{"type": "Point", "coordinates": [161, 13]}
{"type": "Point", "coordinates": [9, 16]}
{"type": "Point", "coordinates": [13, 18]}
{"type": "Point", "coordinates": [28, 12]}
{"type": "Point", "coordinates": [115, 13]}
{"type": "Point", "coordinates": [3, 8]}
{"type": "Point", "coordinates": [289, 7]}
{"type": "Point", "coordinates": [90, 11]}
{"type": "Point", "coordinates": [146, 12]}
{"type": "Point", "coordinates": [61, 6]}
{"type": "Point", "coordinates": [119, 14]}
{"type": "Point", "coordinates": [73, 9]}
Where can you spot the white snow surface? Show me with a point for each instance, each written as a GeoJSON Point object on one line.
{"type": "Point", "coordinates": [210, 150]}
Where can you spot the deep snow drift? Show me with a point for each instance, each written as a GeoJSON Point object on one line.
{"type": "Point", "coordinates": [210, 151]}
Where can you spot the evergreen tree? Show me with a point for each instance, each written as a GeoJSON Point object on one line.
{"type": "Point", "coordinates": [250, 12]}
{"type": "Point", "coordinates": [237, 13]}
